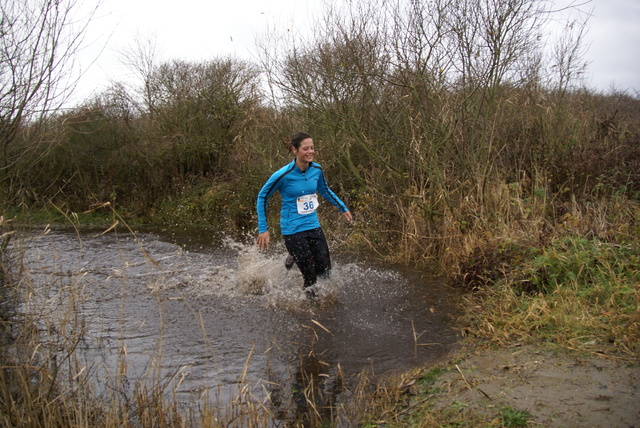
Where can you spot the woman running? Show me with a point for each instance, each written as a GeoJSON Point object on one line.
{"type": "Point", "coordinates": [299, 182]}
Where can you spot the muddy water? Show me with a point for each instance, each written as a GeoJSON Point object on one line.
{"type": "Point", "coordinates": [207, 312]}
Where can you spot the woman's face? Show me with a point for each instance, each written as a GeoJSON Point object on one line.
{"type": "Point", "coordinates": [304, 153]}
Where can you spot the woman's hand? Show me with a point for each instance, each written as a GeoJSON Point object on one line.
{"type": "Point", "coordinates": [263, 240]}
{"type": "Point", "coordinates": [347, 216]}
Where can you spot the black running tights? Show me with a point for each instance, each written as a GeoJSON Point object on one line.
{"type": "Point", "coordinates": [311, 253]}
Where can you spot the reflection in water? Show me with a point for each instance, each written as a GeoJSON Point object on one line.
{"type": "Point", "coordinates": [209, 317]}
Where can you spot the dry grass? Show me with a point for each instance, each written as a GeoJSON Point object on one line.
{"type": "Point", "coordinates": [573, 283]}
{"type": "Point", "coordinates": [580, 294]}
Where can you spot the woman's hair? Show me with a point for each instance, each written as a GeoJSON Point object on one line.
{"type": "Point", "coordinates": [296, 139]}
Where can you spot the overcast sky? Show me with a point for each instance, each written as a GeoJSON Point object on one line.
{"type": "Point", "coordinates": [203, 29]}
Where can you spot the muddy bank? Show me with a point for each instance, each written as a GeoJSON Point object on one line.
{"type": "Point", "coordinates": [476, 386]}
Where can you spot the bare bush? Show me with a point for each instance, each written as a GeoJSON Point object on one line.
{"type": "Point", "coordinates": [425, 106]}
{"type": "Point", "coordinates": [37, 47]}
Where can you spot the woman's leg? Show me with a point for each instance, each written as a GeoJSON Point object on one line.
{"type": "Point", "coordinates": [299, 247]}
{"type": "Point", "coordinates": [320, 251]}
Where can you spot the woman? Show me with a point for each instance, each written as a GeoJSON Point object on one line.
{"type": "Point", "coordinates": [298, 183]}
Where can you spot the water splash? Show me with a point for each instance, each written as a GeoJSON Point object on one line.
{"type": "Point", "coordinates": [244, 274]}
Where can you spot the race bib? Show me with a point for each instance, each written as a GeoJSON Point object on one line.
{"type": "Point", "coordinates": [307, 204]}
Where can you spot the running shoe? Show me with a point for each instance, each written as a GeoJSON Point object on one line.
{"type": "Point", "coordinates": [289, 262]}
{"type": "Point", "coordinates": [310, 292]}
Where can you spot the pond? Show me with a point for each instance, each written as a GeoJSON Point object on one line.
{"type": "Point", "coordinates": [201, 314]}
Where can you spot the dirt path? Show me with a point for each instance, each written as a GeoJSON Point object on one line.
{"type": "Point", "coordinates": [558, 391]}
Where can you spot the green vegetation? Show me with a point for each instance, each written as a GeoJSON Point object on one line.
{"type": "Point", "coordinates": [514, 418]}
{"type": "Point", "coordinates": [461, 147]}
{"type": "Point", "coordinates": [578, 293]}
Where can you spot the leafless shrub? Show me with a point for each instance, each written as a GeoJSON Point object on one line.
{"type": "Point", "coordinates": [37, 47]}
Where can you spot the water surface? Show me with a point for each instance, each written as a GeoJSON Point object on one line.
{"type": "Point", "coordinates": [205, 313]}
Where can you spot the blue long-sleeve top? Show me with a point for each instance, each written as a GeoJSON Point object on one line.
{"type": "Point", "coordinates": [293, 183]}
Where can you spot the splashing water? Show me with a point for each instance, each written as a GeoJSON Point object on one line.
{"type": "Point", "coordinates": [250, 273]}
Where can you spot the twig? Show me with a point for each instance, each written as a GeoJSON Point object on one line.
{"type": "Point", "coordinates": [406, 409]}
{"type": "Point", "coordinates": [469, 384]}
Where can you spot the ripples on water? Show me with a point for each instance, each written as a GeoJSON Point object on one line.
{"type": "Point", "coordinates": [197, 315]}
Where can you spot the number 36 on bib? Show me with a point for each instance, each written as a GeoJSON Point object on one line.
{"type": "Point", "coordinates": [307, 203]}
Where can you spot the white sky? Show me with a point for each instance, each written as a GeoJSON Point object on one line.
{"type": "Point", "coordinates": [204, 29]}
{"type": "Point", "coordinates": [614, 44]}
